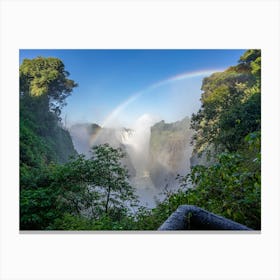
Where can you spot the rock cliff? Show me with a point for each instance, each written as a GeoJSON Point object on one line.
{"type": "Point", "coordinates": [86, 135]}
{"type": "Point", "coordinates": [170, 152]}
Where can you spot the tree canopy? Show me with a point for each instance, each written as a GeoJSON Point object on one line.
{"type": "Point", "coordinates": [227, 128]}
{"type": "Point", "coordinates": [62, 193]}
{"type": "Point", "coordinates": [46, 77]}
{"type": "Point", "coordinates": [231, 105]}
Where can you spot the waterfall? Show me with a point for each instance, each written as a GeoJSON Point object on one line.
{"type": "Point", "coordinates": [155, 151]}
{"type": "Point", "coordinates": [137, 143]}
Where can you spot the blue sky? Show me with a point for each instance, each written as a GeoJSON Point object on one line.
{"type": "Point", "coordinates": [117, 87]}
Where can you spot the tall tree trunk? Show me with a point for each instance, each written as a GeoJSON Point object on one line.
{"type": "Point", "coordinates": [107, 200]}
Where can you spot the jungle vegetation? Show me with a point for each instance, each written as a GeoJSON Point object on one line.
{"type": "Point", "coordinates": [61, 190]}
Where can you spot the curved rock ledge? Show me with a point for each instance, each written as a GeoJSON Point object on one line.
{"type": "Point", "coordinates": [190, 217]}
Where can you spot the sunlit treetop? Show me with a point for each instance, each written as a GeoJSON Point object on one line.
{"type": "Point", "coordinates": [46, 77]}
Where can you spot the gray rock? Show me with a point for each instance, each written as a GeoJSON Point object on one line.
{"type": "Point", "coordinates": [189, 217]}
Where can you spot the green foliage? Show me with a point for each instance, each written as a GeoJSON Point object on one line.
{"type": "Point", "coordinates": [230, 121]}
{"type": "Point", "coordinates": [231, 187]}
{"type": "Point", "coordinates": [251, 61]}
{"type": "Point", "coordinates": [118, 194]}
{"type": "Point", "coordinates": [94, 194]}
{"type": "Point", "coordinates": [46, 77]}
{"type": "Point", "coordinates": [151, 219]}
{"type": "Point", "coordinates": [71, 222]}
{"type": "Point", "coordinates": [37, 208]}
{"type": "Point", "coordinates": [80, 194]}
{"type": "Point", "coordinates": [105, 222]}
{"type": "Point", "coordinates": [239, 120]}
{"type": "Point", "coordinates": [96, 188]}
{"type": "Point", "coordinates": [231, 105]}
{"type": "Point", "coordinates": [38, 200]}
{"type": "Point", "coordinates": [41, 134]}
{"type": "Point", "coordinates": [43, 141]}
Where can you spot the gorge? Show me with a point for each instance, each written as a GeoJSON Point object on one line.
{"type": "Point", "coordinates": [65, 187]}
{"type": "Point", "coordinates": [155, 152]}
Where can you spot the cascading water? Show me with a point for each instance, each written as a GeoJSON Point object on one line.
{"type": "Point", "coordinates": [156, 152]}
{"type": "Point", "coordinates": [137, 143]}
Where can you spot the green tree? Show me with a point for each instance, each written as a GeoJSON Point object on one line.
{"type": "Point", "coordinates": [43, 141]}
{"type": "Point", "coordinates": [232, 186]}
{"type": "Point", "coordinates": [38, 199]}
{"type": "Point", "coordinates": [46, 79]}
{"type": "Point", "coordinates": [227, 126]}
{"type": "Point", "coordinates": [230, 120]}
{"type": "Point", "coordinates": [43, 89]}
{"type": "Point", "coordinates": [117, 192]}
{"type": "Point", "coordinates": [96, 187]}
{"type": "Point", "coordinates": [230, 107]}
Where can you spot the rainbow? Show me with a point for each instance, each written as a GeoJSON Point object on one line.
{"type": "Point", "coordinates": [170, 80]}
{"type": "Point", "coordinates": [133, 97]}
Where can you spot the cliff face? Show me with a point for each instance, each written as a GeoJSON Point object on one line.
{"type": "Point", "coordinates": [81, 135]}
{"type": "Point", "coordinates": [62, 144]}
{"type": "Point", "coordinates": [42, 137]}
{"type": "Point", "coordinates": [170, 151]}
{"type": "Point", "coordinates": [167, 154]}
{"type": "Point", "coordinates": [86, 135]}
{"type": "Point", "coordinates": [205, 158]}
